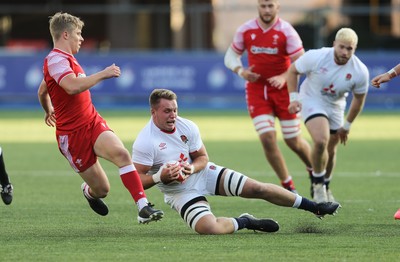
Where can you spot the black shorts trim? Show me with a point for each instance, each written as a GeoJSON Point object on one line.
{"type": "Point", "coordinates": [314, 116]}
{"type": "Point", "coordinates": [218, 181]}
{"type": "Point", "coordinates": [331, 131]}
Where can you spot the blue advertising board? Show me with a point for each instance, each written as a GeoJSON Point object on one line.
{"type": "Point", "coordinates": [200, 79]}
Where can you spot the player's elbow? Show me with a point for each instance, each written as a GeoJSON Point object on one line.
{"type": "Point", "coordinates": [41, 92]}
{"type": "Point", "coordinates": [232, 60]}
{"type": "Point", "coordinates": [72, 90]}
{"type": "Point", "coordinates": [226, 62]}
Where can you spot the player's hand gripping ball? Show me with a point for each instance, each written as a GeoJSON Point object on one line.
{"type": "Point", "coordinates": [181, 177]}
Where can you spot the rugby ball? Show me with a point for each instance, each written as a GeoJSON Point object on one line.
{"type": "Point", "coordinates": [182, 176]}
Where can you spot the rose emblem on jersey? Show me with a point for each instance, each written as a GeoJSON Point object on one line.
{"type": "Point", "coordinates": [184, 139]}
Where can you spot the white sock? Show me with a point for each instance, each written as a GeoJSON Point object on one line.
{"type": "Point", "coordinates": [297, 202]}
{"type": "Point", "coordinates": [85, 188]}
{"type": "Point", "coordinates": [319, 174]}
{"type": "Point", "coordinates": [235, 224]}
{"type": "Point", "coordinates": [142, 203]}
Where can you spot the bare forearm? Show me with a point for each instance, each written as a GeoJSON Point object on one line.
{"type": "Point", "coordinates": [200, 163]}
{"type": "Point", "coordinates": [292, 79]}
{"type": "Point", "coordinates": [75, 85]}
{"type": "Point", "coordinates": [357, 104]}
{"type": "Point", "coordinates": [147, 181]}
{"type": "Point", "coordinates": [43, 97]}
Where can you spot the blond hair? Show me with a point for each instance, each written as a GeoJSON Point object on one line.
{"type": "Point", "coordinates": [61, 22]}
{"type": "Point", "coordinates": [348, 35]}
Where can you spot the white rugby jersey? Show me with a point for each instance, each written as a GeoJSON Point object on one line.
{"type": "Point", "coordinates": [327, 81]}
{"type": "Point", "coordinates": [154, 147]}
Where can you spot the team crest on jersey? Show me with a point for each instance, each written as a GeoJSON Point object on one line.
{"type": "Point", "coordinates": [184, 139]}
{"type": "Point", "coordinates": [348, 77]}
{"type": "Point", "coordinates": [323, 70]}
{"type": "Point", "coordinates": [162, 146]}
{"type": "Point", "coordinates": [212, 167]}
{"type": "Point", "coordinates": [275, 41]}
{"type": "Point", "coordinates": [253, 36]}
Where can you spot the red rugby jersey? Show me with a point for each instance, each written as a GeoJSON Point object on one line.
{"type": "Point", "coordinates": [72, 111]}
{"type": "Point", "coordinates": [268, 50]}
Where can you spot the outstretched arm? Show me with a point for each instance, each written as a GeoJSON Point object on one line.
{"type": "Point", "coordinates": [385, 77]}
{"type": "Point", "coordinates": [75, 85]}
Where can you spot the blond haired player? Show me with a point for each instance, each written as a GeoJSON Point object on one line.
{"type": "Point", "coordinates": [331, 73]}
{"type": "Point", "coordinates": [82, 134]}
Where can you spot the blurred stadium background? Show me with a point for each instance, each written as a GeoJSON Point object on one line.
{"type": "Point", "coordinates": [179, 44]}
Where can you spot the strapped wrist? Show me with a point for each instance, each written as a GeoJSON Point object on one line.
{"type": "Point", "coordinates": [392, 73]}
{"type": "Point", "coordinates": [157, 177]}
{"type": "Point", "coordinates": [346, 125]}
{"type": "Point", "coordinates": [240, 72]}
{"type": "Point", "coordinates": [293, 96]}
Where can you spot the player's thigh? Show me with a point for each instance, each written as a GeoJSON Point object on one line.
{"type": "Point", "coordinates": [110, 147]}
{"type": "Point", "coordinates": [318, 128]}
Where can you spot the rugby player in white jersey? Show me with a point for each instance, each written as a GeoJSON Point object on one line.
{"type": "Point", "coordinates": [169, 137]}
{"type": "Point", "coordinates": [331, 73]}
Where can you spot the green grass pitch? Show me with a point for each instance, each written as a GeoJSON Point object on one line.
{"type": "Point", "coordinates": [49, 220]}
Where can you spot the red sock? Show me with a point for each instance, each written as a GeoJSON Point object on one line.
{"type": "Point", "coordinates": [288, 185]}
{"type": "Point", "coordinates": [131, 180]}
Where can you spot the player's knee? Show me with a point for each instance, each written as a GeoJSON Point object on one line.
{"type": "Point", "coordinates": [209, 225]}
{"type": "Point", "coordinates": [122, 156]}
{"type": "Point", "coordinates": [293, 143]}
{"type": "Point", "coordinates": [206, 229]}
{"type": "Point", "coordinates": [255, 189]}
{"type": "Point", "coordinates": [320, 145]}
{"type": "Point", "coordinates": [100, 191]}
